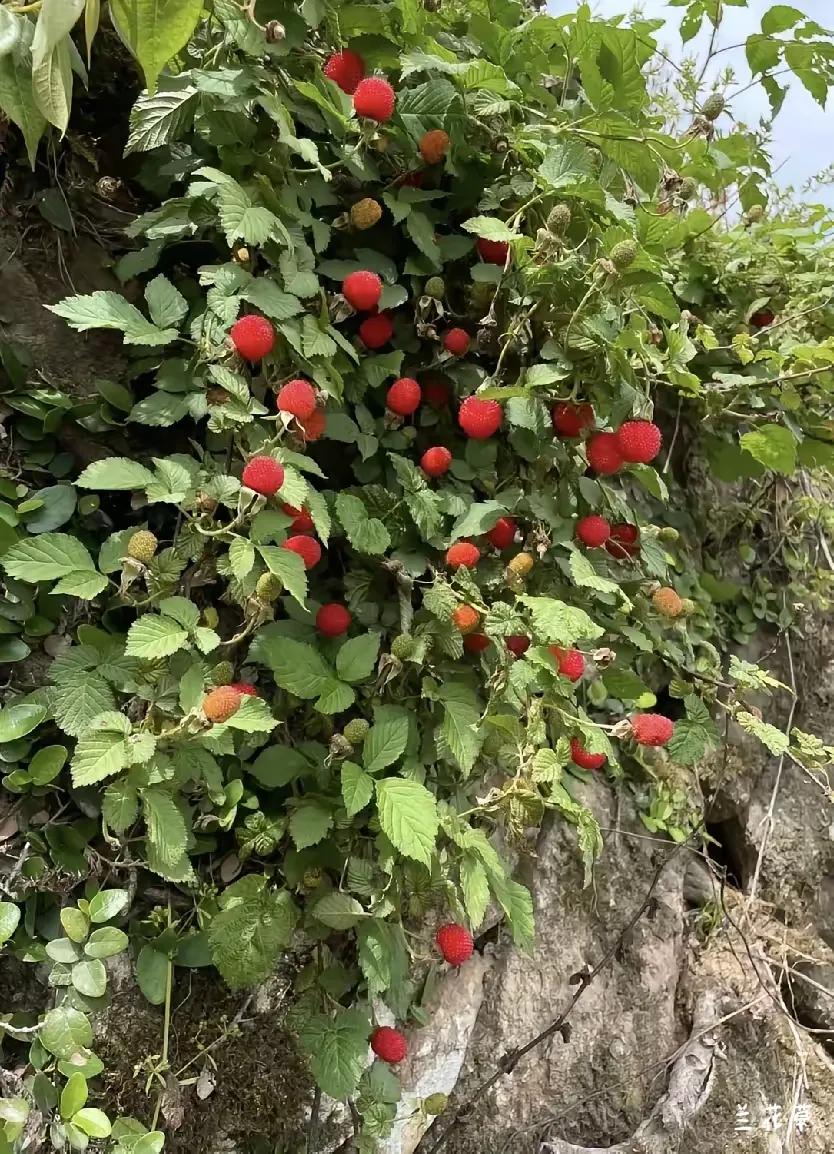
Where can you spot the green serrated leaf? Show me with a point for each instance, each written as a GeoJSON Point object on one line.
{"type": "Point", "coordinates": [408, 817]}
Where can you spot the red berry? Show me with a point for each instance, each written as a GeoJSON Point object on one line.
{"type": "Point", "coordinates": [263, 475]}
{"type": "Point", "coordinates": [376, 331]}
{"type": "Point", "coordinates": [389, 1044]}
{"type": "Point", "coordinates": [345, 69]}
{"type": "Point", "coordinates": [253, 337]}
{"type": "Point", "coordinates": [651, 729]}
{"type": "Point", "coordinates": [570, 661]}
{"type": "Point", "coordinates": [518, 644]}
{"type": "Point", "coordinates": [593, 530]}
{"type": "Point", "coordinates": [762, 319]}
{"type": "Point", "coordinates": [493, 251]}
{"type": "Point", "coordinates": [476, 642]}
{"type": "Point", "coordinates": [464, 555]}
{"type": "Point", "coordinates": [302, 522]}
{"type": "Point", "coordinates": [404, 397]}
{"type": "Point", "coordinates": [333, 620]}
{"type": "Point", "coordinates": [624, 540]}
{"type": "Point", "coordinates": [456, 342]}
{"type": "Point", "coordinates": [639, 441]}
{"type": "Point", "coordinates": [297, 397]}
{"type": "Point", "coordinates": [374, 98]}
{"type": "Point", "coordinates": [572, 420]}
{"type": "Point", "coordinates": [585, 760]}
{"type": "Point", "coordinates": [604, 453]}
{"type": "Point", "coordinates": [244, 689]}
{"type": "Point", "coordinates": [436, 461]}
{"type": "Point", "coordinates": [502, 534]}
{"type": "Point", "coordinates": [307, 548]}
{"type": "Point", "coordinates": [313, 428]}
{"type": "Point", "coordinates": [409, 180]}
{"type": "Point", "coordinates": [436, 391]}
{"type": "Point", "coordinates": [362, 290]}
{"type": "Point", "coordinates": [455, 943]}
{"type": "Point", "coordinates": [480, 419]}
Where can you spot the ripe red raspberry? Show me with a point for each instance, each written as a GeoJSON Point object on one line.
{"type": "Point", "coordinates": [376, 331]}
{"type": "Point", "coordinates": [244, 689]}
{"type": "Point", "coordinates": [302, 522]}
{"type": "Point", "coordinates": [593, 530]}
{"type": "Point", "coordinates": [333, 620]}
{"type": "Point", "coordinates": [297, 397]}
{"type": "Point", "coordinates": [374, 98]}
{"type": "Point", "coordinates": [480, 419]}
{"type": "Point", "coordinates": [639, 441]}
{"type": "Point", "coordinates": [313, 428]}
{"type": "Point", "coordinates": [572, 420]}
{"type": "Point", "coordinates": [253, 337]}
{"type": "Point", "coordinates": [464, 555]}
{"type": "Point", "coordinates": [502, 534]}
{"type": "Point", "coordinates": [476, 642]}
{"type": "Point", "coordinates": [307, 548]}
{"type": "Point", "coordinates": [456, 342]}
{"type": "Point", "coordinates": [455, 943]}
{"type": "Point", "coordinates": [465, 618]}
{"type": "Point", "coordinates": [409, 180]}
{"type": "Point", "coordinates": [221, 703]}
{"type": "Point", "coordinates": [570, 661]}
{"type": "Point", "coordinates": [518, 644]}
{"type": "Point", "coordinates": [389, 1044]}
{"type": "Point", "coordinates": [493, 251]}
{"type": "Point", "coordinates": [624, 540]}
{"type": "Point", "coordinates": [436, 391]}
{"type": "Point", "coordinates": [604, 453]}
{"type": "Point", "coordinates": [585, 760]}
{"type": "Point", "coordinates": [434, 145]}
{"type": "Point", "coordinates": [362, 290]}
{"type": "Point", "coordinates": [345, 69]}
{"type": "Point", "coordinates": [263, 475]}
{"type": "Point", "coordinates": [436, 461]}
{"type": "Point", "coordinates": [651, 729]}
{"type": "Point", "coordinates": [404, 397]}
{"type": "Point", "coordinates": [762, 319]}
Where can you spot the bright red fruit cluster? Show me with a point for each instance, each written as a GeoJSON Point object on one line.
{"type": "Point", "coordinates": [455, 943]}
{"type": "Point", "coordinates": [263, 475]}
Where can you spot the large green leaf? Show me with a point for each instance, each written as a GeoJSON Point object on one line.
{"type": "Point", "coordinates": [17, 720]}
{"type": "Point", "coordinates": [101, 750]}
{"type": "Point", "coordinates": [47, 557]}
{"type": "Point", "coordinates": [17, 97]}
{"type": "Point", "coordinates": [408, 817]}
{"type": "Point", "coordinates": [108, 310]}
{"type": "Point", "coordinates": [773, 445]}
{"type": "Point", "coordinates": [298, 668]}
{"type": "Point", "coordinates": [51, 59]}
{"type": "Point", "coordinates": [556, 623]}
{"type": "Point", "coordinates": [155, 30]}
{"type": "Point", "coordinates": [248, 934]}
{"type": "Point", "coordinates": [337, 1049]}
{"type": "Point", "coordinates": [385, 743]}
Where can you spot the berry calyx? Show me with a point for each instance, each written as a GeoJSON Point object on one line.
{"type": "Point", "coordinates": [436, 461]}
{"type": "Point", "coordinates": [639, 441]}
{"type": "Point", "coordinates": [302, 522]}
{"type": "Point", "coordinates": [253, 337]}
{"type": "Point", "coordinates": [480, 419]}
{"type": "Point", "coordinates": [624, 540]}
{"type": "Point", "coordinates": [376, 331]}
{"type": "Point", "coordinates": [333, 620]}
{"type": "Point", "coordinates": [362, 290]}
{"type": "Point", "coordinates": [570, 661]}
{"type": "Point", "coordinates": [667, 602]}
{"type": "Point", "coordinates": [434, 145]}
{"type": "Point", "coordinates": [346, 69]}
{"type": "Point", "coordinates": [465, 618]}
{"type": "Point", "coordinates": [593, 530]}
{"type": "Point", "coordinates": [365, 213]}
{"type": "Point", "coordinates": [457, 341]}
{"type": "Point", "coordinates": [263, 475]}
{"type": "Point", "coordinates": [313, 427]}
{"type": "Point", "coordinates": [604, 453]}
{"type": "Point", "coordinates": [389, 1044]}
{"type": "Point", "coordinates": [374, 98]}
{"type": "Point", "coordinates": [455, 943]}
{"type": "Point", "coordinates": [307, 548]}
{"type": "Point", "coordinates": [572, 420]}
{"type": "Point", "coordinates": [403, 647]}
{"type": "Point", "coordinates": [297, 397]}
{"type": "Point", "coordinates": [142, 546]}
{"type": "Point", "coordinates": [502, 533]}
{"type": "Point", "coordinates": [652, 729]}
{"type": "Point", "coordinates": [269, 587]}
{"type": "Point", "coordinates": [517, 644]}
{"type": "Point", "coordinates": [580, 756]}
{"type": "Point", "coordinates": [493, 251]}
{"type": "Point", "coordinates": [355, 730]}
{"type": "Point", "coordinates": [463, 555]}
{"type": "Point", "coordinates": [404, 397]}
{"type": "Point", "coordinates": [221, 703]}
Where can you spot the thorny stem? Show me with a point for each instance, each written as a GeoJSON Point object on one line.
{"type": "Point", "coordinates": [166, 1026]}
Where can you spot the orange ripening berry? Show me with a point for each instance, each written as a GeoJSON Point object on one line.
{"type": "Point", "coordinates": [434, 145]}
{"type": "Point", "coordinates": [466, 618]}
{"type": "Point", "coordinates": [221, 703]}
{"type": "Point", "coordinates": [667, 602]}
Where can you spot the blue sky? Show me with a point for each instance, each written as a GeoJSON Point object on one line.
{"type": "Point", "coordinates": [803, 133]}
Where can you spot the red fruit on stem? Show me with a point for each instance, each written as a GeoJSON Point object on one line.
{"type": "Point", "coordinates": [362, 290]}
{"type": "Point", "coordinates": [572, 420]}
{"type": "Point", "coordinates": [313, 428]}
{"type": "Point", "coordinates": [518, 644]}
{"type": "Point", "coordinates": [639, 441]}
{"type": "Point", "coordinates": [376, 331]}
{"type": "Point", "coordinates": [345, 69]}
{"type": "Point", "coordinates": [457, 342]}
{"type": "Point", "coordinates": [479, 419]}
{"type": "Point", "coordinates": [455, 943]}
{"type": "Point", "coordinates": [624, 540]}
{"type": "Point", "coordinates": [762, 319]}
{"type": "Point", "coordinates": [389, 1044]}
{"type": "Point", "coordinates": [297, 397]}
{"type": "Point", "coordinates": [570, 661]}
{"type": "Point", "coordinates": [463, 555]}
{"type": "Point", "coordinates": [585, 760]}
{"type": "Point", "coordinates": [604, 453]}
{"type": "Point", "coordinates": [651, 729]}
{"type": "Point", "coordinates": [253, 337]}
{"type": "Point", "coordinates": [307, 548]}
{"type": "Point", "coordinates": [244, 689]}
{"type": "Point", "coordinates": [502, 534]}
{"type": "Point", "coordinates": [593, 530]}
{"type": "Point", "coordinates": [333, 620]}
{"type": "Point", "coordinates": [404, 397]}
{"type": "Point", "coordinates": [302, 522]}
{"type": "Point", "coordinates": [493, 251]}
{"type": "Point", "coordinates": [374, 98]}
{"type": "Point", "coordinates": [263, 475]}
{"type": "Point", "coordinates": [476, 642]}
{"type": "Point", "coordinates": [436, 461]}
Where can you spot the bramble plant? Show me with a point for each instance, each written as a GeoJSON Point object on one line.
{"type": "Point", "coordinates": [429, 323]}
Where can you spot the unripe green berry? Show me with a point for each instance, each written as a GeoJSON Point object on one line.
{"type": "Point", "coordinates": [559, 219]}
{"type": "Point", "coordinates": [402, 647]}
{"type": "Point", "coordinates": [688, 188]}
{"type": "Point", "coordinates": [623, 254]}
{"type": "Point", "coordinates": [668, 534]}
{"type": "Point", "coordinates": [142, 546]}
{"type": "Point", "coordinates": [269, 587]}
{"type": "Point", "coordinates": [435, 1103]}
{"type": "Point", "coordinates": [713, 106]}
{"type": "Point", "coordinates": [355, 730]}
{"type": "Point", "coordinates": [222, 673]}
{"type": "Point", "coordinates": [435, 287]}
